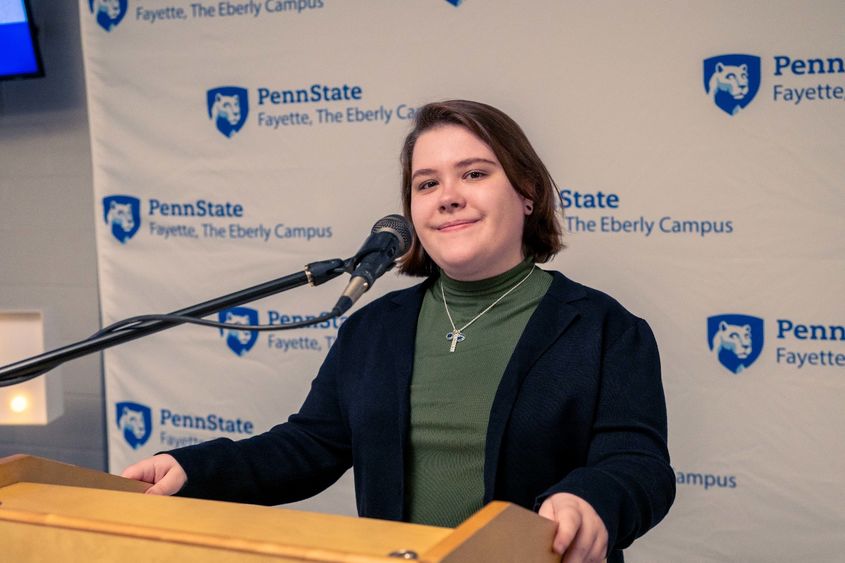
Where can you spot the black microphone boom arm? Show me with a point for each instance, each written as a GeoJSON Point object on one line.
{"type": "Point", "coordinates": [315, 273]}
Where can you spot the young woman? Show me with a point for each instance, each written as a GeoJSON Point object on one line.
{"type": "Point", "coordinates": [491, 380]}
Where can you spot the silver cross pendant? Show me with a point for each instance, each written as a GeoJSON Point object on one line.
{"type": "Point", "coordinates": [455, 337]}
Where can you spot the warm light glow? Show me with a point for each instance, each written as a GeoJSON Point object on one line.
{"type": "Point", "coordinates": [19, 403]}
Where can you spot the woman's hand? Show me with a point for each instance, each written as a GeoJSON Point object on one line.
{"type": "Point", "coordinates": [162, 470]}
{"type": "Point", "coordinates": [581, 536]}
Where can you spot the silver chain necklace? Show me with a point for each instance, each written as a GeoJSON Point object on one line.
{"type": "Point", "coordinates": [457, 334]}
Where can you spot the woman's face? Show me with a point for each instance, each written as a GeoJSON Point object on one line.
{"type": "Point", "coordinates": [465, 211]}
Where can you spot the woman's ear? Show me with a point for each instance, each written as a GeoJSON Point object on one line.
{"type": "Point", "coordinates": [528, 206]}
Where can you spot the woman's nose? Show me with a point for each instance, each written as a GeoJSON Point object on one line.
{"type": "Point", "coordinates": [450, 196]}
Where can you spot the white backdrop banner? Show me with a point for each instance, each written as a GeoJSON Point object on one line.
{"type": "Point", "coordinates": [698, 149]}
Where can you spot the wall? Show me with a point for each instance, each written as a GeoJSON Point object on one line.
{"type": "Point", "coordinates": [47, 251]}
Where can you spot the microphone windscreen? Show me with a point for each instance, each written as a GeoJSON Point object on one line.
{"type": "Point", "coordinates": [399, 226]}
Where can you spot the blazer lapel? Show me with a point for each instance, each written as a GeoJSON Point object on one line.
{"type": "Point", "coordinates": [551, 318]}
{"type": "Point", "coordinates": [402, 329]}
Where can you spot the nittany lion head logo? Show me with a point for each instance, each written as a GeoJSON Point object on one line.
{"type": "Point", "coordinates": [732, 81]}
{"type": "Point", "coordinates": [455, 2]}
{"type": "Point", "coordinates": [108, 12]}
{"type": "Point", "coordinates": [136, 422]}
{"type": "Point", "coordinates": [735, 340]}
{"type": "Point", "coordinates": [123, 215]}
{"type": "Point", "coordinates": [239, 341]}
{"type": "Point", "coordinates": [228, 107]}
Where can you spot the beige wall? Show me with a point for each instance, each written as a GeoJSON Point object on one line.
{"type": "Point", "coordinates": [47, 254]}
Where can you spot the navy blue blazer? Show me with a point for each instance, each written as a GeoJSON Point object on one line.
{"type": "Point", "coordinates": [580, 409]}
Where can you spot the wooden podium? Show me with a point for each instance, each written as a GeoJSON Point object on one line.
{"type": "Point", "coordinates": [51, 511]}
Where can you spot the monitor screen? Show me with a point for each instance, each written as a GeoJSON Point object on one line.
{"type": "Point", "coordinates": [19, 56]}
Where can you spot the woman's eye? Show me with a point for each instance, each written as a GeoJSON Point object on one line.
{"type": "Point", "coordinates": [475, 174]}
{"type": "Point", "coordinates": [427, 184]}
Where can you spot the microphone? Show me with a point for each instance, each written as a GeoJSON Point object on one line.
{"type": "Point", "coordinates": [389, 239]}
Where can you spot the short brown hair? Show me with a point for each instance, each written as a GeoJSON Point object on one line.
{"type": "Point", "coordinates": [542, 236]}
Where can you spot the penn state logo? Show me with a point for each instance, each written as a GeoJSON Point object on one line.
{"type": "Point", "coordinates": [239, 341]}
{"type": "Point", "coordinates": [136, 422]}
{"type": "Point", "coordinates": [228, 107]}
{"type": "Point", "coordinates": [455, 2]}
{"type": "Point", "coordinates": [735, 340]}
{"type": "Point", "coordinates": [122, 214]}
{"type": "Point", "coordinates": [732, 81]}
{"type": "Point", "coordinates": [109, 13]}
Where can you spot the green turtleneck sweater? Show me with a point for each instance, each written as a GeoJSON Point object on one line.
{"type": "Point", "coordinates": [452, 392]}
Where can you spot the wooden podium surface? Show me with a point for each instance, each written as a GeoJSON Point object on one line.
{"type": "Point", "coordinates": [50, 511]}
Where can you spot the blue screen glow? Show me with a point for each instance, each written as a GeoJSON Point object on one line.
{"type": "Point", "coordinates": [17, 49]}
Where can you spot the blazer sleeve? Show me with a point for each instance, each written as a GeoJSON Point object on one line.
{"type": "Point", "coordinates": [627, 478]}
{"type": "Point", "coordinates": [291, 461]}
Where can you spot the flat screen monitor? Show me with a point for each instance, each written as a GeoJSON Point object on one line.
{"type": "Point", "coordinates": [19, 55]}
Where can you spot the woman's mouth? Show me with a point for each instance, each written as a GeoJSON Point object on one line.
{"type": "Point", "coordinates": [456, 225]}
